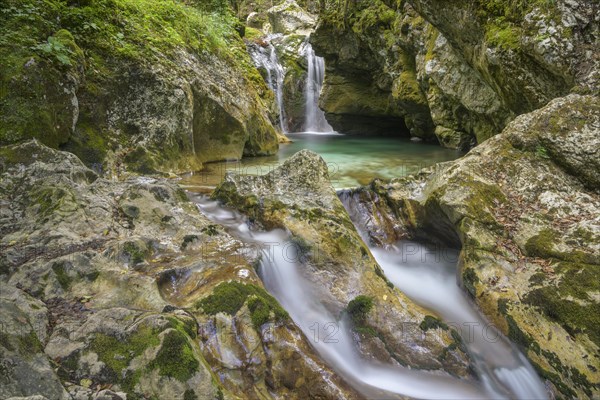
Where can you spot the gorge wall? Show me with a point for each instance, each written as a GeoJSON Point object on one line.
{"type": "Point", "coordinates": [456, 72]}
{"type": "Point", "coordinates": [150, 85]}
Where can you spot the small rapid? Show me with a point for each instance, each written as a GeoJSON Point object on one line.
{"type": "Point", "coordinates": [427, 275]}
{"type": "Point", "coordinates": [283, 277]}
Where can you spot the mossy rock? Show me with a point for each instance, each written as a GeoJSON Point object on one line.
{"type": "Point", "coordinates": [229, 297]}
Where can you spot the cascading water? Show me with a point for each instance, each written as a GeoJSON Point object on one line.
{"type": "Point", "coordinates": [315, 118]}
{"type": "Point", "coordinates": [266, 57]}
{"type": "Point", "coordinates": [503, 374]}
{"type": "Point", "coordinates": [428, 277]}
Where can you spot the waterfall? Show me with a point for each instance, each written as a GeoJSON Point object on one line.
{"type": "Point", "coordinates": [266, 57]}
{"type": "Point", "coordinates": [503, 374]}
{"type": "Point", "coordinates": [315, 118]}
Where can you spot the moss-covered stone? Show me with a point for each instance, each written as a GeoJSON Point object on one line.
{"type": "Point", "coordinates": [569, 302]}
{"type": "Point", "coordinates": [176, 358]}
{"type": "Point", "coordinates": [431, 322]}
{"type": "Point", "coordinates": [229, 297]}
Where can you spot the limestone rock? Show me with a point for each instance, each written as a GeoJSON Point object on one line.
{"type": "Point", "coordinates": [524, 207]}
{"type": "Point", "coordinates": [24, 368]}
{"type": "Point", "coordinates": [290, 18]}
{"type": "Point", "coordinates": [104, 267]}
{"type": "Point", "coordinates": [164, 105]}
{"type": "Point", "coordinates": [298, 196]}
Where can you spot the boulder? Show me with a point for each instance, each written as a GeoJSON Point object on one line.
{"type": "Point", "coordinates": [24, 368]}
{"type": "Point", "coordinates": [298, 197]}
{"type": "Point", "coordinates": [146, 102]}
{"type": "Point", "coordinates": [104, 268]}
{"type": "Point", "coordinates": [289, 18]}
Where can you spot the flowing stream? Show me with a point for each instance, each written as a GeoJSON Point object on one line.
{"type": "Point", "coordinates": [503, 372]}
{"type": "Point", "coordinates": [427, 276]}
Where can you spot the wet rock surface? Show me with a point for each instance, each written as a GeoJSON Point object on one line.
{"type": "Point", "coordinates": [298, 197]}
{"type": "Point", "coordinates": [101, 294]}
{"type": "Point", "coordinates": [526, 216]}
{"type": "Point", "coordinates": [455, 75]}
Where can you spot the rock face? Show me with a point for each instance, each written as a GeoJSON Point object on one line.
{"type": "Point", "coordinates": [458, 73]}
{"type": "Point", "coordinates": [299, 197]}
{"type": "Point", "coordinates": [167, 103]}
{"type": "Point", "coordinates": [93, 278]}
{"type": "Point", "coordinates": [290, 18]}
{"type": "Point", "coordinates": [524, 206]}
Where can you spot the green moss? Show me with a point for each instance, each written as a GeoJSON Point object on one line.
{"type": "Point", "coordinates": [538, 278]}
{"type": "Point", "coordinates": [430, 322]}
{"type": "Point", "coordinates": [186, 326]}
{"type": "Point", "coordinates": [542, 245]}
{"type": "Point", "coordinates": [470, 279]}
{"type": "Point", "coordinates": [229, 297]}
{"type": "Point", "coordinates": [506, 36]}
{"type": "Point", "coordinates": [253, 33]}
{"type": "Point", "coordinates": [568, 302]}
{"type": "Point", "coordinates": [51, 199]}
{"type": "Point", "coordinates": [358, 308]}
{"type": "Point", "coordinates": [188, 240]}
{"type": "Point", "coordinates": [432, 36]}
{"type": "Point", "coordinates": [190, 395]}
{"type": "Point", "coordinates": [117, 353]}
{"type": "Point", "coordinates": [515, 333]}
{"type": "Point", "coordinates": [211, 230]}
{"type": "Point", "coordinates": [5, 341]}
{"type": "Point", "coordinates": [29, 343]}
{"type": "Point", "coordinates": [376, 16]}
{"type": "Point", "coordinates": [482, 198]}
{"type": "Point", "coordinates": [557, 380]}
{"type": "Point", "coordinates": [379, 273]}
{"type": "Point", "coordinates": [134, 252]}
{"type": "Point", "coordinates": [541, 152]}
{"type": "Point", "coordinates": [62, 275]}
{"type": "Point", "coordinates": [176, 358]}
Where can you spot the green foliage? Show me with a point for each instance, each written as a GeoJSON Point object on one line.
{"type": "Point", "coordinates": [43, 43]}
{"type": "Point", "coordinates": [55, 47]}
{"type": "Point", "coordinates": [541, 152]}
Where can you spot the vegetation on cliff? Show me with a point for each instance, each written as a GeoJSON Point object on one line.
{"type": "Point", "coordinates": [98, 76]}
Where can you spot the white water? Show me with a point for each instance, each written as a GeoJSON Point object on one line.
{"type": "Point", "coordinates": [503, 374]}
{"type": "Point", "coordinates": [428, 276]}
{"type": "Point", "coordinates": [315, 121]}
{"type": "Point", "coordinates": [266, 57]}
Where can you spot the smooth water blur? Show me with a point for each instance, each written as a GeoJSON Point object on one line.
{"type": "Point", "coordinates": [427, 275]}
{"type": "Point", "coordinates": [352, 160]}
{"type": "Point", "coordinates": [283, 277]}
{"type": "Point", "coordinates": [314, 119]}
